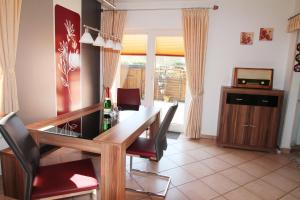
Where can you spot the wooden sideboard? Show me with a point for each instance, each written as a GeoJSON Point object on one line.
{"type": "Point", "coordinates": [249, 118]}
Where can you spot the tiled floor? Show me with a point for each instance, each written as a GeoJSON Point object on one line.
{"type": "Point", "coordinates": [202, 171]}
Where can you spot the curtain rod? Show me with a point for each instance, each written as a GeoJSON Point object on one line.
{"type": "Point", "coordinates": [294, 16]}
{"type": "Point", "coordinates": [215, 7]}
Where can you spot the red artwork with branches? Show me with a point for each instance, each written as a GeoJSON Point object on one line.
{"type": "Point", "coordinates": [67, 53]}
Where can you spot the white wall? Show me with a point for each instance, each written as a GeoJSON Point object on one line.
{"type": "Point", "coordinates": [224, 51]}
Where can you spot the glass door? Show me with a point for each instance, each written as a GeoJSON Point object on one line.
{"type": "Point", "coordinates": [133, 63]}
{"type": "Point", "coordinates": [155, 65]}
{"type": "Point", "coordinates": [170, 78]}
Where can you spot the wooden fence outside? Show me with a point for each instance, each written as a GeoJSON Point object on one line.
{"type": "Point", "coordinates": [169, 84]}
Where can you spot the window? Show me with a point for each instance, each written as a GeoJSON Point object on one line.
{"type": "Point", "coordinates": [133, 62]}
{"type": "Point", "coordinates": [170, 77]}
{"type": "Point", "coordinates": [170, 74]}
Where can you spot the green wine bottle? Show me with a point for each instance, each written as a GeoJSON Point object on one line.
{"type": "Point", "coordinates": [107, 106]}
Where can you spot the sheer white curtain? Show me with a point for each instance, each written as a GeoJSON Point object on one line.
{"type": "Point", "coordinates": [9, 28]}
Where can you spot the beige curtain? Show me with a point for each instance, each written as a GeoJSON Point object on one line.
{"type": "Point", "coordinates": [110, 58]}
{"type": "Point", "coordinates": [195, 29]}
{"type": "Point", "coordinates": [9, 28]}
{"type": "Point", "coordinates": [294, 24]}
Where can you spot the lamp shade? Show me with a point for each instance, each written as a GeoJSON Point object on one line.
{"type": "Point", "coordinates": [109, 44]}
{"type": "Point", "coordinates": [86, 38]}
{"type": "Point", "coordinates": [99, 41]}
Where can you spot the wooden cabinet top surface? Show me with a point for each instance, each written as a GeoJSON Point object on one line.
{"type": "Point", "coordinates": [252, 91]}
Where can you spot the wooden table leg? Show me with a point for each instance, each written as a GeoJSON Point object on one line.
{"type": "Point", "coordinates": [154, 127]}
{"type": "Point", "coordinates": [113, 172]}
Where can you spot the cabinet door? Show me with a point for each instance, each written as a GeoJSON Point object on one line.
{"type": "Point", "coordinates": [234, 121]}
{"type": "Point", "coordinates": [263, 125]}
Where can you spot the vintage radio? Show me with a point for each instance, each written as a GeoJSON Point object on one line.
{"type": "Point", "coordinates": [259, 78]}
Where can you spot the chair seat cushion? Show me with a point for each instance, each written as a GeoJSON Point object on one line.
{"type": "Point", "coordinates": [142, 147]}
{"type": "Point", "coordinates": [64, 178]}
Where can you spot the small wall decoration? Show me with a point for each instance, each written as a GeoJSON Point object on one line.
{"type": "Point", "coordinates": [246, 38]}
{"type": "Point", "coordinates": [266, 34]}
{"type": "Point", "coordinates": [67, 53]}
{"type": "Point", "coordinates": [297, 58]}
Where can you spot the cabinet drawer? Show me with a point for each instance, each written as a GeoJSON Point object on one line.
{"type": "Point", "coordinates": [253, 100]}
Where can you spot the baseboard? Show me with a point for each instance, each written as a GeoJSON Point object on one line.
{"type": "Point", "coordinates": [285, 150]}
{"type": "Point", "coordinates": [212, 137]}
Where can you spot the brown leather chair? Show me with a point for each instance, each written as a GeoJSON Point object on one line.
{"type": "Point", "coordinates": [53, 181]}
{"type": "Point", "coordinates": [153, 149]}
{"type": "Point", "coordinates": [128, 98]}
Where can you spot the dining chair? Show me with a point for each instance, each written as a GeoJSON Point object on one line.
{"type": "Point", "coordinates": [128, 98]}
{"type": "Point", "coordinates": [46, 182]}
{"type": "Point", "coordinates": [153, 148]}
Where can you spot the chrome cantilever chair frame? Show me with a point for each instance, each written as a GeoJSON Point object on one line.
{"type": "Point", "coordinates": [160, 144]}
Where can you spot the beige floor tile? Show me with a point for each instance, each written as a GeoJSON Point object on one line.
{"type": "Point", "coordinates": [289, 197]}
{"type": "Point", "coordinates": [151, 184]}
{"type": "Point", "coordinates": [264, 190]}
{"type": "Point", "coordinates": [182, 159]}
{"type": "Point", "coordinates": [197, 190]}
{"type": "Point", "coordinates": [135, 160]}
{"type": "Point", "coordinates": [232, 159]}
{"type": "Point", "coordinates": [219, 198]}
{"type": "Point", "coordinates": [268, 163]}
{"type": "Point", "coordinates": [175, 194]}
{"type": "Point", "coordinates": [247, 155]}
{"type": "Point", "coordinates": [187, 145]}
{"type": "Point", "coordinates": [290, 173]}
{"type": "Point", "coordinates": [214, 150]}
{"type": "Point", "coordinates": [280, 182]}
{"type": "Point", "coordinates": [136, 196]}
{"type": "Point", "coordinates": [293, 165]}
{"type": "Point", "coordinates": [296, 192]}
{"type": "Point", "coordinates": [151, 166]}
{"type": "Point", "coordinates": [199, 154]}
{"type": "Point", "coordinates": [198, 169]}
{"type": "Point", "coordinates": [219, 183]}
{"type": "Point", "coordinates": [238, 176]}
{"type": "Point", "coordinates": [216, 164]}
{"type": "Point", "coordinates": [254, 169]}
{"type": "Point", "coordinates": [280, 158]}
{"type": "Point", "coordinates": [131, 182]}
{"type": "Point", "coordinates": [241, 193]}
{"type": "Point", "coordinates": [178, 176]}
{"type": "Point", "coordinates": [171, 150]}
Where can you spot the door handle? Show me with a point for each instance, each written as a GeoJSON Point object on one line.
{"type": "Point", "coordinates": [265, 101]}
{"type": "Point", "coordinates": [252, 126]}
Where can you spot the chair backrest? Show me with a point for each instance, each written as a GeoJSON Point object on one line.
{"type": "Point", "coordinates": [128, 99]}
{"type": "Point", "coordinates": [161, 138]}
{"type": "Point", "coordinates": [24, 147]}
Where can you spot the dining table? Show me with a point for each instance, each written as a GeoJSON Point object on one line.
{"type": "Point", "coordinates": [90, 130]}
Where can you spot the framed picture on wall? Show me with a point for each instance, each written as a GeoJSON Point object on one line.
{"type": "Point", "coordinates": [266, 34]}
{"type": "Point", "coordinates": [246, 38]}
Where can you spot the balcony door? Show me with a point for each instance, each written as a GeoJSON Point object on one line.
{"type": "Point", "coordinates": [156, 65]}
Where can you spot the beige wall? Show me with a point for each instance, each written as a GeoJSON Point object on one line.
{"type": "Point", "coordinates": [35, 65]}
{"type": "Point", "coordinates": [35, 61]}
